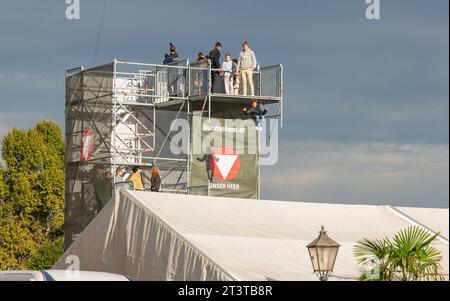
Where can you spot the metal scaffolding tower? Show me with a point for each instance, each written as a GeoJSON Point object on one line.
{"type": "Point", "coordinates": [120, 115]}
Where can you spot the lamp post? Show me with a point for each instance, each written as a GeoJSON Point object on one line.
{"type": "Point", "coordinates": [323, 252]}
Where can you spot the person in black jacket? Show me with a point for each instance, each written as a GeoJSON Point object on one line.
{"type": "Point", "coordinates": [172, 56]}
{"type": "Point", "coordinates": [207, 158]}
{"type": "Point", "coordinates": [255, 112]}
{"type": "Point", "coordinates": [175, 77]}
{"type": "Point", "coordinates": [214, 56]}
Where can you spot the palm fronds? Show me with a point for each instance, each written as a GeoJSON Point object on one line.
{"type": "Point", "coordinates": [410, 255]}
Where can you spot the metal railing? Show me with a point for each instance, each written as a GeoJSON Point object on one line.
{"type": "Point", "coordinates": [153, 83]}
{"type": "Point", "coordinates": [271, 81]}
{"type": "Point", "coordinates": [237, 83]}
{"type": "Point", "coordinates": [199, 78]}
{"type": "Point", "coordinates": [267, 81]}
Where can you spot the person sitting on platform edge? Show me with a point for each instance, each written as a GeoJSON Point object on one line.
{"type": "Point", "coordinates": [172, 56]}
{"type": "Point", "coordinates": [155, 180]}
{"type": "Point", "coordinates": [256, 113]}
{"type": "Point", "coordinates": [214, 56]}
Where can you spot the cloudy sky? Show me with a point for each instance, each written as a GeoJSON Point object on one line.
{"type": "Point", "coordinates": [367, 102]}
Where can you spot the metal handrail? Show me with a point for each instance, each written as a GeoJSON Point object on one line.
{"type": "Point", "coordinates": [158, 83]}
{"type": "Point", "coordinates": [276, 87]}
{"type": "Point", "coordinates": [152, 65]}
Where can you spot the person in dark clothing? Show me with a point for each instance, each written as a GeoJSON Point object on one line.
{"type": "Point", "coordinates": [256, 113]}
{"type": "Point", "coordinates": [175, 79]}
{"type": "Point", "coordinates": [172, 56]}
{"type": "Point", "coordinates": [208, 157]}
{"type": "Point", "coordinates": [155, 180]}
{"type": "Point", "coordinates": [214, 56]}
{"type": "Point", "coordinates": [201, 57]}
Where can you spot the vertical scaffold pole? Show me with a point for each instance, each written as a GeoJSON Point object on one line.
{"type": "Point", "coordinates": [154, 128]}
{"type": "Point", "coordinates": [154, 101]}
{"type": "Point", "coordinates": [188, 79]}
{"type": "Point", "coordinates": [208, 98]}
{"type": "Point", "coordinates": [114, 123]}
{"type": "Point", "coordinates": [259, 80]}
{"type": "Point", "coordinates": [258, 195]}
{"type": "Point", "coordinates": [209, 90]}
{"type": "Point", "coordinates": [188, 116]}
{"type": "Point", "coordinates": [281, 95]}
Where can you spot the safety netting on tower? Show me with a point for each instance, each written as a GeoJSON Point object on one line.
{"type": "Point", "coordinates": [123, 118]}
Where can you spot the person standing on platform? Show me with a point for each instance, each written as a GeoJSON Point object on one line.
{"type": "Point", "coordinates": [214, 56]}
{"type": "Point", "coordinates": [200, 85]}
{"type": "Point", "coordinates": [201, 57]}
{"type": "Point", "coordinates": [247, 63]}
{"type": "Point", "coordinates": [173, 75]}
{"type": "Point", "coordinates": [227, 68]}
{"type": "Point", "coordinates": [172, 56]}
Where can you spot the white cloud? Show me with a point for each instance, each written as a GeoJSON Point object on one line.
{"type": "Point", "coordinates": [374, 173]}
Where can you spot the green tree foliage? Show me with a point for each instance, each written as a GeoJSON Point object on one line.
{"type": "Point", "coordinates": [409, 255]}
{"type": "Point", "coordinates": [17, 242]}
{"type": "Point", "coordinates": [2, 187]}
{"type": "Point", "coordinates": [46, 256]}
{"type": "Point", "coordinates": [31, 192]}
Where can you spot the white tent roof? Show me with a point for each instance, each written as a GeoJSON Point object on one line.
{"type": "Point", "coordinates": [432, 218]}
{"type": "Point", "coordinates": [158, 236]}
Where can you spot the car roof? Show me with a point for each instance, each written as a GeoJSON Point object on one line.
{"type": "Point", "coordinates": [68, 275]}
{"type": "Point", "coordinates": [22, 275]}
{"type": "Point", "coordinates": [59, 275]}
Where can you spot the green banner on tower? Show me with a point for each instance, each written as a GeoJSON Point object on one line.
{"type": "Point", "coordinates": [224, 157]}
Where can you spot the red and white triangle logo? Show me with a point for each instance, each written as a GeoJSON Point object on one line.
{"type": "Point", "coordinates": [87, 145]}
{"type": "Point", "coordinates": [224, 163]}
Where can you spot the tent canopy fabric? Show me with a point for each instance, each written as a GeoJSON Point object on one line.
{"type": "Point", "coordinates": [158, 236]}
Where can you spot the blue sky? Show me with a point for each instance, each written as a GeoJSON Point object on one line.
{"type": "Point", "coordinates": [366, 111]}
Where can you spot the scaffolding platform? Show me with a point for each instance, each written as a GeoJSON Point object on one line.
{"type": "Point", "coordinates": [120, 115]}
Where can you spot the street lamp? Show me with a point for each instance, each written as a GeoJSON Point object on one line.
{"type": "Point", "coordinates": [323, 252]}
